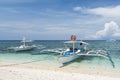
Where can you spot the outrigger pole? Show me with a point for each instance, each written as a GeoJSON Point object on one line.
{"type": "Point", "coordinates": [110, 59]}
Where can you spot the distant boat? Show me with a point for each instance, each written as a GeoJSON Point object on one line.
{"type": "Point", "coordinates": [23, 47]}
{"type": "Point", "coordinates": [111, 40]}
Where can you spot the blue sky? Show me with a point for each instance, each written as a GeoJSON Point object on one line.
{"type": "Point", "coordinates": [59, 19]}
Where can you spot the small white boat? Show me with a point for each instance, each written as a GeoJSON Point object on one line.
{"type": "Point", "coordinates": [111, 40]}
{"type": "Point", "coordinates": [23, 47]}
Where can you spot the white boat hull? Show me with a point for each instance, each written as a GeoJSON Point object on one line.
{"type": "Point", "coordinates": [23, 49]}
{"type": "Point", "coordinates": [63, 59]}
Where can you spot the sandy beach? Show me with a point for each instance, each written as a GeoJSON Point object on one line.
{"type": "Point", "coordinates": [25, 72]}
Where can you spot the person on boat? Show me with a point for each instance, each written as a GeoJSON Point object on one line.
{"type": "Point", "coordinates": [81, 47]}
{"type": "Point", "coordinates": [81, 43]}
{"type": "Point", "coordinates": [71, 48]}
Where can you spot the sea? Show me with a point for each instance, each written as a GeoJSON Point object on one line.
{"type": "Point", "coordinates": [37, 57]}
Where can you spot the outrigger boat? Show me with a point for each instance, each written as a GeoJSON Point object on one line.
{"type": "Point", "coordinates": [75, 51]}
{"type": "Point", "coordinates": [23, 47]}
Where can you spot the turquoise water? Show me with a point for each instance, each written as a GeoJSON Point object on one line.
{"type": "Point", "coordinates": [37, 58]}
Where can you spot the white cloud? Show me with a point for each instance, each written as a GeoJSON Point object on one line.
{"type": "Point", "coordinates": [105, 11]}
{"type": "Point", "coordinates": [77, 8]}
{"type": "Point", "coordinates": [113, 11]}
{"type": "Point", "coordinates": [111, 30]}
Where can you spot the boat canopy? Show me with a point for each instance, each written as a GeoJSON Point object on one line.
{"type": "Point", "coordinates": [76, 42]}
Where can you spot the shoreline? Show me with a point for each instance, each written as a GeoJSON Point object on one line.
{"type": "Point", "coordinates": [55, 70]}
{"type": "Point", "coordinates": [14, 73]}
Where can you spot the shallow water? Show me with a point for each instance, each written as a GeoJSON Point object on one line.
{"type": "Point", "coordinates": [35, 57]}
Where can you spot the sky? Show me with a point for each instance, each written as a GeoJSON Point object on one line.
{"type": "Point", "coordinates": [59, 19]}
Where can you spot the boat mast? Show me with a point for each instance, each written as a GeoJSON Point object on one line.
{"type": "Point", "coordinates": [24, 41]}
{"type": "Point", "coordinates": [73, 46]}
